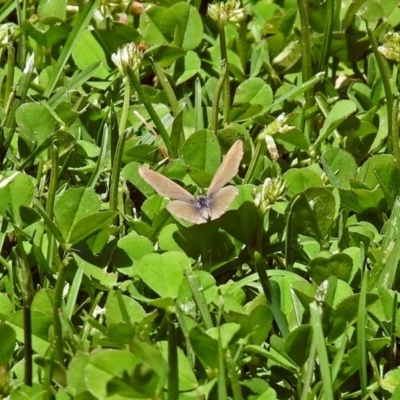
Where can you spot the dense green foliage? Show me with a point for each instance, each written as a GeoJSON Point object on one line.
{"type": "Point", "coordinates": [290, 294]}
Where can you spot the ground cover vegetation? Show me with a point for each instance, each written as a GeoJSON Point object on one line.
{"type": "Point", "coordinates": [291, 291]}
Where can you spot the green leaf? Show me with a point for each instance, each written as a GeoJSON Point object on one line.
{"type": "Point", "coordinates": [74, 205]}
{"type": "Point", "coordinates": [88, 52]}
{"type": "Point", "coordinates": [19, 192]}
{"type": "Point", "coordinates": [202, 154]}
{"type": "Point", "coordinates": [367, 173]}
{"type": "Point", "coordinates": [121, 308]}
{"type": "Point", "coordinates": [81, 24]}
{"type": "Point", "coordinates": [254, 91]}
{"type": "Point", "coordinates": [242, 223]}
{"type": "Point", "coordinates": [52, 8]}
{"type": "Point", "coordinates": [91, 224]}
{"type": "Point", "coordinates": [298, 344]}
{"type": "Point", "coordinates": [129, 250]}
{"type": "Point", "coordinates": [205, 348]}
{"type": "Point", "coordinates": [105, 365]}
{"type": "Point", "coordinates": [346, 314]}
{"type": "Point", "coordinates": [187, 378]}
{"type": "Point", "coordinates": [8, 342]}
{"type": "Point", "coordinates": [313, 213]}
{"type": "Point", "coordinates": [163, 273]}
{"type": "Point", "coordinates": [298, 180]}
{"type": "Point", "coordinates": [224, 332]}
{"type": "Point", "coordinates": [189, 67]}
{"type": "Point", "coordinates": [179, 25]}
{"type": "Point", "coordinates": [340, 111]}
{"type": "Point", "coordinates": [41, 324]}
{"type": "Point", "coordinates": [339, 265]}
{"type": "Point", "coordinates": [35, 121]}
{"type": "Point", "coordinates": [339, 166]}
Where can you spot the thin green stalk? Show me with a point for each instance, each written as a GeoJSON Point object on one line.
{"type": "Point", "coordinates": [319, 339]}
{"type": "Point", "coordinates": [395, 133]}
{"type": "Point", "coordinates": [221, 378]}
{"type": "Point", "coordinates": [393, 335]}
{"type": "Point", "coordinates": [217, 96]}
{"type": "Point", "coordinates": [9, 124]}
{"type": "Point", "coordinates": [384, 74]}
{"type": "Point", "coordinates": [224, 58]}
{"type": "Point", "coordinates": [10, 72]}
{"type": "Point", "coordinates": [32, 156]}
{"type": "Point", "coordinates": [327, 38]}
{"type": "Point", "coordinates": [242, 47]}
{"type": "Point", "coordinates": [180, 315]}
{"type": "Point", "coordinates": [58, 341]}
{"type": "Point", "coordinates": [361, 335]}
{"type": "Point", "coordinates": [51, 198]}
{"type": "Point", "coordinates": [306, 60]}
{"type": "Point", "coordinates": [198, 297]}
{"type": "Point", "coordinates": [260, 147]}
{"type": "Point", "coordinates": [233, 375]}
{"type": "Point", "coordinates": [48, 372]}
{"type": "Point", "coordinates": [102, 159]}
{"type": "Point", "coordinates": [10, 271]}
{"type": "Point", "coordinates": [173, 373]}
{"type": "Point", "coordinates": [27, 296]}
{"type": "Point", "coordinates": [22, 17]}
{"type": "Point", "coordinates": [271, 295]}
{"type": "Point", "coordinates": [337, 362]}
{"type": "Point", "coordinates": [307, 374]}
{"type": "Point", "coordinates": [150, 109]}
{"type": "Point", "coordinates": [167, 88]}
{"type": "Point", "coordinates": [116, 168]}
{"type": "Point", "coordinates": [290, 236]}
{"type": "Point", "coordinates": [198, 120]}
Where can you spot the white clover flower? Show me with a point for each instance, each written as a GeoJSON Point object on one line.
{"type": "Point", "coordinates": [229, 11]}
{"type": "Point", "coordinates": [127, 56]}
{"type": "Point", "coordinates": [271, 191]}
{"type": "Point", "coordinates": [278, 126]}
{"type": "Point", "coordinates": [391, 47]}
{"type": "Point", "coordinates": [271, 146]}
{"type": "Point", "coordinates": [7, 32]}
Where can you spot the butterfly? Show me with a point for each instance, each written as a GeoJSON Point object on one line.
{"type": "Point", "coordinates": [206, 207]}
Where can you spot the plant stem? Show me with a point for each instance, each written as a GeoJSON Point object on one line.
{"type": "Point", "coordinates": [116, 168]}
{"type": "Point", "coordinates": [10, 72]}
{"type": "Point", "coordinates": [306, 60]}
{"type": "Point", "coordinates": [243, 44]}
{"type": "Point", "coordinates": [327, 38]}
{"type": "Point", "coordinates": [9, 123]}
{"type": "Point", "coordinates": [199, 122]}
{"type": "Point", "coordinates": [384, 74]}
{"type": "Point", "coordinates": [173, 377]}
{"type": "Point", "coordinates": [150, 109]}
{"type": "Point", "coordinates": [224, 57]}
{"type": "Point", "coordinates": [27, 297]}
{"type": "Point", "coordinates": [58, 341]}
{"type": "Point", "coordinates": [217, 97]}
{"type": "Point", "coordinates": [253, 163]}
{"type": "Point", "coordinates": [51, 200]}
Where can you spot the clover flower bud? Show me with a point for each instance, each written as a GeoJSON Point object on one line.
{"type": "Point", "coordinates": [391, 47]}
{"type": "Point", "coordinates": [271, 191]}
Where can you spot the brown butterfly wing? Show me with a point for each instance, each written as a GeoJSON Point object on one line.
{"type": "Point", "coordinates": [164, 186]}
{"type": "Point", "coordinates": [186, 210]}
{"type": "Point", "coordinates": [221, 201]}
{"type": "Point", "coordinates": [228, 168]}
